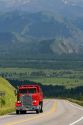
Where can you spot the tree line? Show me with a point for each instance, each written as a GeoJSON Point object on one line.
{"type": "Point", "coordinates": [51, 91]}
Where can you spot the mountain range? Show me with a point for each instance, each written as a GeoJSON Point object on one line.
{"type": "Point", "coordinates": [41, 28]}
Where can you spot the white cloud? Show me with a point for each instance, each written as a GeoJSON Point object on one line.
{"type": "Point", "coordinates": [15, 1]}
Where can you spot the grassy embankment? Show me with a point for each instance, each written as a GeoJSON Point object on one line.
{"type": "Point", "coordinates": [79, 102]}
{"type": "Point", "coordinates": [7, 103]}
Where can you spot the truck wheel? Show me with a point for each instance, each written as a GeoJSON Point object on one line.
{"type": "Point", "coordinates": [41, 108]}
{"type": "Point", "coordinates": [23, 112]}
{"type": "Point", "coordinates": [17, 111]}
{"type": "Point", "coordinates": [37, 111]}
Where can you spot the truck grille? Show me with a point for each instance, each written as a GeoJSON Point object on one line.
{"type": "Point", "coordinates": [26, 100]}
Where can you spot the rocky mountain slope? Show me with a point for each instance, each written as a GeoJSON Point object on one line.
{"type": "Point", "coordinates": [39, 27]}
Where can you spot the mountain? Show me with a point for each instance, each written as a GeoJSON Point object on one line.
{"type": "Point", "coordinates": [40, 29]}
{"type": "Point", "coordinates": [30, 27]}
{"type": "Point", "coordinates": [58, 6]}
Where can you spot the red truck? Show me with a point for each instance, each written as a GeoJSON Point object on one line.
{"type": "Point", "coordinates": [29, 98]}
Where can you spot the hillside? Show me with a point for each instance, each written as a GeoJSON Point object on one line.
{"type": "Point", "coordinates": [8, 101]}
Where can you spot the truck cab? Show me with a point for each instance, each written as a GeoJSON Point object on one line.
{"type": "Point", "coordinates": [29, 98]}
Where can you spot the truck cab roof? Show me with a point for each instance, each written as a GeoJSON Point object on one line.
{"type": "Point", "coordinates": [29, 86]}
{"type": "Point", "coordinates": [37, 87]}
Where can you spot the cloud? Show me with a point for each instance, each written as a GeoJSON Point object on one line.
{"type": "Point", "coordinates": [13, 3]}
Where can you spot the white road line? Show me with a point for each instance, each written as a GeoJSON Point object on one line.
{"type": "Point", "coordinates": [81, 118]}
{"type": "Point", "coordinates": [77, 121]}
{"type": "Point", "coordinates": [80, 108]}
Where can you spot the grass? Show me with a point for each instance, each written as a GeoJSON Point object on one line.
{"type": "Point", "coordinates": [6, 110]}
{"type": "Point", "coordinates": [67, 82]}
{"type": "Point", "coordinates": [79, 102]}
{"type": "Point", "coordinates": [68, 78]}
{"type": "Point", "coordinates": [7, 103]}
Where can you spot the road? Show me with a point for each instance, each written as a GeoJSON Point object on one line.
{"type": "Point", "coordinates": [56, 112]}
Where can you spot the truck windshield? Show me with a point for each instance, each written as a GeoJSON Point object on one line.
{"type": "Point", "coordinates": [31, 90]}
{"type": "Point", "coordinates": [23, 91]}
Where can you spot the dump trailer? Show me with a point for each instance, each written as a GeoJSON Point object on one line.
{"type": "Point", "coordinates": [29, 98]}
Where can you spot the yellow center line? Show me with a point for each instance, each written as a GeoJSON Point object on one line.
{"type": "Point", "coordinates": [52, 110]}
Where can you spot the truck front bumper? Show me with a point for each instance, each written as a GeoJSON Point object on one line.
{"type": "Point", "coordinates": [29, 108]}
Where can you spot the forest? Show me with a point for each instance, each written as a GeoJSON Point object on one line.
{"type": "Point", "coordinates": [51, 91]}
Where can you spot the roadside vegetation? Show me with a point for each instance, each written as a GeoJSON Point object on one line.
{"type": "Point", "coordinates": [7, 102]}
{"type": "Point", "coordinates": [80, 102]}
{"type": "Point", "coordinates": [55, 91]}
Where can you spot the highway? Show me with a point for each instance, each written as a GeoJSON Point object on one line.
{"type": "Point", "coordinates": [56, 112]}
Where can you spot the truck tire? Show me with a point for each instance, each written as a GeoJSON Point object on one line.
{"type": "Point", "coordinates": [41, 107]}
{"type": "Point", "coordinates": [23, 112]}
{"type": "Point", "coordinates": [40, 110]}
{"type": "Point", "coordinates": [37, 111]}
{"type": "Point", "coordinates": [17, 111]}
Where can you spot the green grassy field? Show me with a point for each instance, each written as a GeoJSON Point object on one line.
{"type": "Point", "coordinates": [68, 78]}
{"type": "Point", "coordinates": [68, 83]}
{"type": "Point", "coordinates": [7, 102]}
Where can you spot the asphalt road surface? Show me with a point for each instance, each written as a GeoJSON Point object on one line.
{"type": "Point", "coordinates": [56, 112]}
